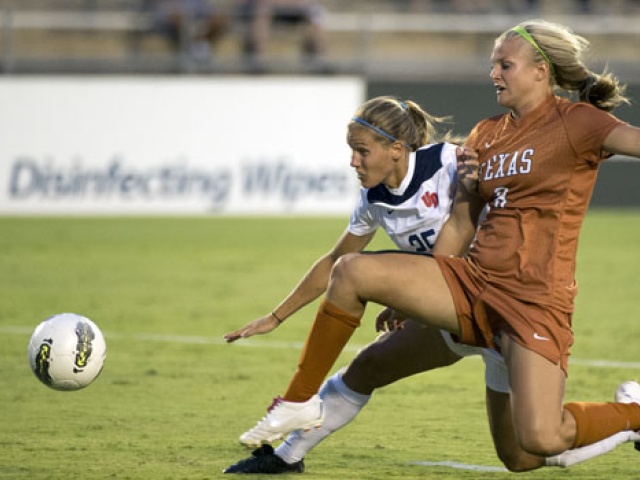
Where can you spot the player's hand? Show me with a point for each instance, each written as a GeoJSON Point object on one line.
{"type": "Point", "coordinates": [257, 327]}
{"type": "Point", "coordinates": [389, 320]}
{"type": "Point", "coordinates": [467, 168]}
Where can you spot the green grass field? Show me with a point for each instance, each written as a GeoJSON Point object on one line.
{"type": "Point", "coordinates": [173, 398]}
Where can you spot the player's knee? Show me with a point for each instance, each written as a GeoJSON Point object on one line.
{"type": "Point", "coordinates": [516, 460]}
{"type": "Point", "coordinates": [345, 271]}
{"type": "Point", "coordinates": [541, 441]}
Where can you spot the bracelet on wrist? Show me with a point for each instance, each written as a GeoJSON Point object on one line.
{"type": "Point", "coordinates": [278, 319]}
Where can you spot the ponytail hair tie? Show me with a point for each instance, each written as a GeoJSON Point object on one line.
{"type": "Point", "coordinates": [585, 91]}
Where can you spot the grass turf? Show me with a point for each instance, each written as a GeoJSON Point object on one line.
{"type": "Point", "coordinates": [173, 398]}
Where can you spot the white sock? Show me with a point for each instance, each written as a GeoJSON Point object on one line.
{"type": "Point", "coordinates": [341, 405]}
{"type": "Point", "coordinates": [578, 455]}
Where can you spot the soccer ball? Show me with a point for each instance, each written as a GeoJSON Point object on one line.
{"type": "Point", "coordinates": [67, 351]}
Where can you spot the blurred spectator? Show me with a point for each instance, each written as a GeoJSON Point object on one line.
{"type": "Point", "coordinates": [470, 6]}
{"type": "Point", "coordinates": [190, 26]}
{"type": "Point", "coordinates": [523, 6]}
{"type": "Point", "coordinates": [261, 15]}
{"type": "Point", "coordinates": [584, 6]}
{"type": "Point", "coordinates": [463, 6]}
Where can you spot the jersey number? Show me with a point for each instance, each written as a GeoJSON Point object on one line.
{"type": "Point", "coordinates": [423, 242]}
{"type": "Point", "coordinates": [500, 197]}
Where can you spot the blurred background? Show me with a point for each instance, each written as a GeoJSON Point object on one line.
{"type": "Point", "coordinates": [87, 86]}
{"type": "Point", "coordinates": [412, 39]}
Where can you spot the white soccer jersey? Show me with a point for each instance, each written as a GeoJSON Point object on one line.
{"type": "Point", "coordinates": [412, 214]}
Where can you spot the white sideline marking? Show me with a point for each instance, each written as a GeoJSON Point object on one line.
{"type": "Point", "coordinates": [603, 363]}
{"type": "Point", "coordinates": [460, 466]}
{"type": "Point", "coordinates": [159, 337]}
{"type": "Point", "coordinates": [194, 339]}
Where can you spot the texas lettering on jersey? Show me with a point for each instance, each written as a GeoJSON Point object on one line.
{"type": "Point", "coordinates": [507, 165]}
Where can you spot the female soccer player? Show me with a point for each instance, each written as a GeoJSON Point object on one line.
{"type": "Point", "coordinates": [514, 292]}
{"type": "Point", "coordinates": [408, 190]}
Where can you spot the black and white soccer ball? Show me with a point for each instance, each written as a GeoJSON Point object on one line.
{"type": "Point", "coordinates": [67, 351]}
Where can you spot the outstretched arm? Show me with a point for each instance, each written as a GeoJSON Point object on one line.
{"type": "Point", "coordinates": [623, 140]}
{"type": "Point", "coordinates": [311, 286]}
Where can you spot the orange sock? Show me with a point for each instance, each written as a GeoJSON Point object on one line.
{"type": "Point", "coordinates": [595, 421]}
{"type": "Point", "coordinates": [331, 331]}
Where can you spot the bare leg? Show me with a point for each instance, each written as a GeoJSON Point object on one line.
{"type": "Point", "coordinates": [504, 436]}
{"type": "Point", "coordinates": [382, 278]}
{"type": "Point", "coordinates": [518, 460]}
{"type": "Point", "coordinates": [393, 356]}
{"type": "Point", "coordinates": [541, 424]}
{"type": "Point", "coordinates": [396, 355]}
{"type": "Point", "coordinates": [355, 279]}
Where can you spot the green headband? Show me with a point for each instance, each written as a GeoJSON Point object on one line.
{"type": "Point", "coordinates": [527, 36]}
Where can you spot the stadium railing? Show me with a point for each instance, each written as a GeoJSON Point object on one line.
{"type": "Point", "coordinates": [367, 42]}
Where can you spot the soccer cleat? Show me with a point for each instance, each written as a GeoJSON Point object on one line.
{"type": "Point", "coordinates": [264, 460]}
{"type": "Point", "coordinates": [629, 392]}
{"type": "Point", "coordinates": [284, 417]}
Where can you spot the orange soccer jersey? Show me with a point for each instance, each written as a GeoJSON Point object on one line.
{"type": "Point", "coordinates": [537, 176]}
